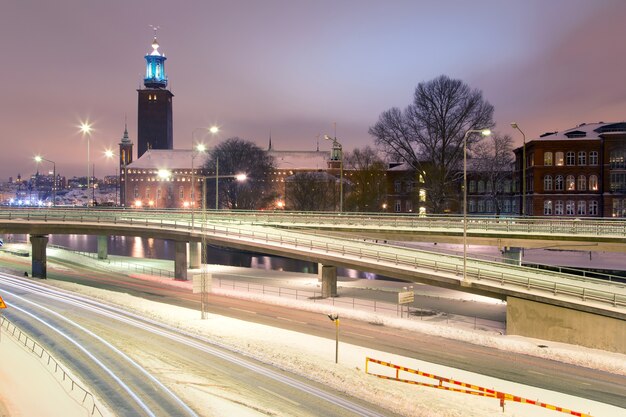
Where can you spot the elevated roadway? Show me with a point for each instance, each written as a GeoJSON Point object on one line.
{"type": "Point", "coordinates": [540, 303]}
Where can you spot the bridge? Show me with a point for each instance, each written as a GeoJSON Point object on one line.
{"type": "Point", "coordinates": [540, 304]}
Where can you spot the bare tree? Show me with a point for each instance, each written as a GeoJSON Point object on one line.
{"type": "Point", "coordinates": [368, 186]}
{"type": "Point", "coordinates": [428, 134]}
{"type": "Point", "coordinates": [238, 156]}
{"type": "Point", "coordinates": [492, 161]}
{"type": "Point", "coordinates": [310, 191]}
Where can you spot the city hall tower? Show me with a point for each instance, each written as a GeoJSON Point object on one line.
{"type": "Point", "coordinates": [154, 112]}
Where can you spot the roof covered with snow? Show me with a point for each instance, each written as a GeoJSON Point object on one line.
{"type": "Point", "coordinates": [300, 159]}
{"type": "Point", "coordinates": [586, 131]}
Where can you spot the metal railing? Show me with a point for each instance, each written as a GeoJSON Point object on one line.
{"type": "Point", "coordinates": [84, 397]}
{"type": "Point", "coordinates": [373, 306]}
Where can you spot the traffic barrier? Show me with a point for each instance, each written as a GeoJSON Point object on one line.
{"type": "Point", "coordinates": [466, 388]}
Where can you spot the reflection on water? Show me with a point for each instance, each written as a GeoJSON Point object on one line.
{"type": "Point", "coordinates": [138, 247]}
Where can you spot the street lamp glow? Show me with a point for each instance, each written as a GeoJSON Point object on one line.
{"type": "Point", "coordinates": [214, 129]}
{"type": "Point", "coordinates": [241, 177]}
{"type": "Point", "coordinates": [85, 128]}
{"type": "Point", "coordinates": [484, 132]}
{"type": "Point", "coordinates": [201, 147]}
{"type": "Point", "coordinates": [38, 158]}
{"type": "Point", "coordinates": [164, 173]}
{"type": "Point", "coordinates": [109, 153]}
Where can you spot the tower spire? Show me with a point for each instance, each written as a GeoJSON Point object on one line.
{"type": "Point", "coordinates": [155, 66]}
{"type": "Point", "coordinates": [270, 147]}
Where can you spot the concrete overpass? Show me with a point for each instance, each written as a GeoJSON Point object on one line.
{"type": "Point", "coordinates": [541, 304]}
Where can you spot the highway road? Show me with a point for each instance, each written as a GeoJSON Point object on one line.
{"type": "Point", "coordinates": [529, 370]}
{"type": "Point", "coordinates": [105, 346]}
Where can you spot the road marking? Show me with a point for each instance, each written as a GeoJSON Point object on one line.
{"type": "Point", "coordinates": [241, 309]}
{"type": "Point", "coordinates": [293, 321]}
{"type": "Point", "coordinates": [536, 373]}
{"type": "Point", "coordinates": [359, 334]}
{"type": "Point", "coordinates": [279, 396]}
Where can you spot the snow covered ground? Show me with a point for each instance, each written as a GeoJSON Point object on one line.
{"type": "Point", "coordinates": [314, 357]}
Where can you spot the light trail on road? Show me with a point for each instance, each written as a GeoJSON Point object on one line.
{"type": "Point", "coordinates": [212, 348]}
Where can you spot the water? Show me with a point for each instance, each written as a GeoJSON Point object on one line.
{"type": "Point", "coordinates": [138, 247]}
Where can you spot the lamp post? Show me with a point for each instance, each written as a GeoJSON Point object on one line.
{"type": "Point", "coordinates": [110, 154]}
{"type": "Point", "coordinates": [484, 132]}
{"type": "Point", "coordinates": [85, 128]}
{"type": "Point", "coordinates": [238, 177]}
{"type": "Point", "coordinates": [337, 153]}
{"type": "Point", "coordinates": [516, 126]}
{"type": "Point", "coordinates": [38, 159]}
{"type": "Point", "coordinates": [197, 149]}
{"type": "Point", "coordinates": [335, 318]}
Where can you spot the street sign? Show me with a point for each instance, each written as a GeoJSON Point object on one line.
{"type": "Point", "coordinates": [405, 297]}
{"type": "Point", "coordinates": [2, 304]}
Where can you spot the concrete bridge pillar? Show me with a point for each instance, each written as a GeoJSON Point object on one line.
{"type": "Point", "coordinates": [180, 260]}
{"type": "Point", "coordinates": [195, 255]}
{"type": "Point", "coordinates": [512, 255]}
{"type": "Point", "coordinates": [103, 250]}
{"type": "Point", "coordinates": [39, 259]}
{"type": "Point", "coordinates": [329, 281]}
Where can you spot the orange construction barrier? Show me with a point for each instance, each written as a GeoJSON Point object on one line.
{"type": "Point", "coordinates": [471, 389]}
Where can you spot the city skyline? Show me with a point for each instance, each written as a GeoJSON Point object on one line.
{"type": "Point", "coordinates": [295, 69]}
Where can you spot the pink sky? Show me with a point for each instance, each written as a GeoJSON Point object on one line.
{"type": "Point", "coordinates": [295, 68]}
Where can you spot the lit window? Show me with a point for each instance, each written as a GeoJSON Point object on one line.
{"type": "Point", "coordinates": [547, 208]}
{"type": "Point", "coordinates": [547, 158]}
{"type": "Point", "coordinates": [422, 195]}
{"type": "Point", "coordinates": [571, 183]}
{"type": "Point", "coordinates": [559, 159]}
{"type": "Point", "coordinates": [593, 183]}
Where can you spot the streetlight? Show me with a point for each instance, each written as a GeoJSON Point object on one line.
{"type": "Point", "coordinates": [85, 129]}
{"type": "Point", "coordinates": [516, 126]}
{"type": "Point", "coordinates": [110, 154]}
{"type": "Point", "coordinates": [337, 153]}
{"type": "Point", "coordinates": [199, 148]}
{"type": "Point", "coordinates": [484, 132]}
{"type": "Point", "coordinates": [38, 159]}
{"type": "Point", "coordinates": [335, 318]}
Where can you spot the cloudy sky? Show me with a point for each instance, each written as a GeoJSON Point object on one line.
{"type": "Point", "coordinates": [295, 68]}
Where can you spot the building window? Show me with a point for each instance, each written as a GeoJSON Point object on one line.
{"type": "Point", "coordinates": [489, 188]}
{"type": "Point", "coordinates": [489, 206]}
{"type": "Point", "coordinates": [619, 207]}
{"type": "Point", "coordinates": [593, 183]}
{"type": "Point", "coordinates": [181, 192]}
{"type": "Point", "coordinates": [547, 158]}
{"type": "Point", "coordinates": [136, 192]}
{"type": "Point", "coordinates": [547, 208]}
{"type": "Point", "coordinates": [472, 206]}
{"type": "Point", "coordinates": [422, 194]}
{"type": "Point", "coordinates": [147, 193]}
{"type": "Point", "coordinates": [558, 208]}
{"type": "Point", "coordinates": [570, 182]}
{"type": "Point", "coordinates": [547, 183]}
{"type": "Point", "coordinates": [570, 158]}
{"type": "Point", "coordinates": [558, 183]}
{"type": "Point", "coordinates": [397, 186]}
{"type": "Point", "coordinates": [582, 158]}
{"type": "Point", "coordinates": [481, 206]}
{"type": "Point", "coordinates": [569, 208]}
{"type": "Point", "coordinates": [506, 206]}
{"type": "Point", "coordinates": [616, 159]}
{"type": "Point", "coordinates": [593, 158]}
{"type": "Point", "coordinates": [409, 206]}
{"type": "Point", "coordinates": [559, 160]}
{"type": "Point", "coordinates": [593, 208]}
{"type": "Point", "coordinates": [472, 186]}
{"type": "Point", "coordinates": [481, 186]}
{"type": "Point", "coordinates": [158, 194]}
{"type": "Point", "coordinates": [398, 206]}
{"type": "Point", "coordinates": [531, 160]}
{"type": "Point", "coordinates": [507, 186]}
{"type": "Point", "coordinates": [582, 208]}
{"type": "Point", "coordinates": [618, 182]}
{"type": "Point", "coordinates": [582, 183]}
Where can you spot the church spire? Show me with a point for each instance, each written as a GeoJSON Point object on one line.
{"type": "Point", "coordinates": [270, 147]}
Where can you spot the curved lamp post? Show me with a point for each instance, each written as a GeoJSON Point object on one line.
{"type": "Point", "coordinates": [516, 126]}
{"type": "Point", "coordinates": [484, 132]}
{"type": "Point", "coordinates": [110, 154]}
{"type": "Point", "coordinates": [197, 149]}
{"type": "Point", "coordinates": [85, 129]}
{"type": "Point", "coordinates": [38, 159]}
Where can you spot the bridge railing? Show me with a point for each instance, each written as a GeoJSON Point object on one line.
{"type": "Point", "coordinates": [526, 280]}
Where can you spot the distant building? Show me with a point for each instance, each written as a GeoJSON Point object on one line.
{"type": "Point", "coordinates": [580, 172]}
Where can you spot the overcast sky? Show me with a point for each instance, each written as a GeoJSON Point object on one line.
{"type": "Point", "coordinates": [295, 68]}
